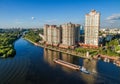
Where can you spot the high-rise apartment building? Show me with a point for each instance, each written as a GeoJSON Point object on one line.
{"type": "Point", "coordinates": [67, 35]}
{"type": "Point", "coordinates": [70, 34]}
{"type": "Point", "coordinates": [52, 34]}
{"type": "Point", "coordinates": [92, 25]}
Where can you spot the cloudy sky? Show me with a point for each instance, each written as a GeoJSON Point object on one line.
{"type": "Point", "coordinates": [36, 13]}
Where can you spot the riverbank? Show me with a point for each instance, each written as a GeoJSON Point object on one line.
{"type": "Point", "coordinates": [115, 60]}
{"type": "Point", "coordinates": [29, 40]}
{"type": "Point", "coordinates": [66, 51]}
{"type": "Point", "coordinates": [36, 44]}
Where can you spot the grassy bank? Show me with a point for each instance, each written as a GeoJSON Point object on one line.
{"type": "Point", "coordinates": [33, 36]}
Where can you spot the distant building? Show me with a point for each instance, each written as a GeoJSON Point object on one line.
{"type": "Point", "coordinates": [113, 31]}
{"type": "Point", "coordinates": [92, 25]}
{"type": "Point", "coordinates": [70, 34]}
{"type": "Point", "coordinates": [82, 34]}
{"type": "Point", "coordinates": [52, 34]}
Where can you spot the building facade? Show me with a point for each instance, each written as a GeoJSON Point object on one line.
{"type": "Point", "coordinates": [66, 35]}
{"type": "Point", "coordinates": [70, 34]}
{"type": "Point", "coordinates": [92, 25]}
{"type": "Point", "coordinates": [52, 34]}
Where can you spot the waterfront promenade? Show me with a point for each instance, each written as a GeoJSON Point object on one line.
{"type": "Point", "coordinates": [74, 53]}
{"type": "Point", "coordinates": [67, 51]}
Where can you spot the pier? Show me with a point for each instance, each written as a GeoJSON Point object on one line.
{"type": "Point", "coordinates": [67, 64]}
{"type": "Point", "coordinates": [105, 58]}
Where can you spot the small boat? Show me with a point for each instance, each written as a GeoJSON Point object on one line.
{"type": "Point", "coordinates": [84, 70]}
{"type": "Point", "coordinates": [105, 59]}
{"type": "Point", "coordinates": [108, 60]}
{"type": "Point", "coordinates": [99, 58]}
{"type": "Point", "coordinates": [114, 63]}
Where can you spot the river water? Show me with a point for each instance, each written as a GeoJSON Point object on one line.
{"type": "Point", "coordinates": [34, 65]}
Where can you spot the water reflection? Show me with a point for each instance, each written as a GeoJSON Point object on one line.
{"type": "Point", "coordinates": [93, 66]}
{"type": "Point", "coordinates": [90, 65]}
{"type": "Point", "coordinates": [49, 55]}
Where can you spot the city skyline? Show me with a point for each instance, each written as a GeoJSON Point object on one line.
{"type": "Point", "coordinates": [36, 13]}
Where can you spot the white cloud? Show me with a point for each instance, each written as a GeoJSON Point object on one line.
{"type": "Point", "coordinates": [113, 18]}
{"type": "Point", "coordinates": [112, 21]}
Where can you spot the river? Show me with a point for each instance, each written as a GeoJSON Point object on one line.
{"type": "Point", "coordinates": [34, 65]}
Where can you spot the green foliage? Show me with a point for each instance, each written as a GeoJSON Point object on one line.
{"type": "Point", "coordinates": [92, 52]}
{"type": "Point", "coordinates": [33, 35]}
{"type": "Point", "coordinates": [117, 48]}
{"type": "Point", "coordinates": [114, 42]}
{"type": "Point", "coordinates": [10, 52]}
{"type": "Point", "coordinates": [81, 50]}
{"type": "Point", "coordinates": [111, 48]}
{"type": "Point", "coordinates": [6, 43]}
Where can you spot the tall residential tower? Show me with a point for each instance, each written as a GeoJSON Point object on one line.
{"type": "Point", "coordinates": [52, 34]}
{"type": "Point", "coordinates": [92, 25]}
{"type": "Point", "coordinates": [67, 35]}
{"type": "Point", "coordinates": [70, 34]}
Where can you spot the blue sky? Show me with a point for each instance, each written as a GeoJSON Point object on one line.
{"type": "Point", "coordinates": [36, 13]}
